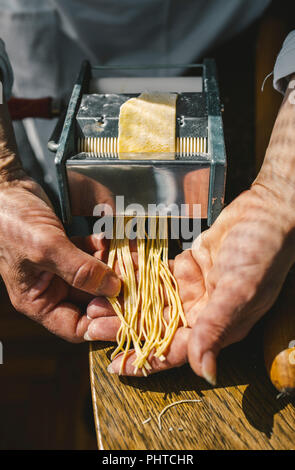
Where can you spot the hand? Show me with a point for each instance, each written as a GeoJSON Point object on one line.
{"type": "Point", "coordinates": [244, 258]}
{"type": "Point", "coordinates": [104, 322]}
{"type": "Point", "coordinates": [46, 275]}
{"type": "Point", "coordinates": [229, 279]}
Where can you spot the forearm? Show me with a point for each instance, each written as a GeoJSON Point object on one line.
{"type": "Point", "coordinates": [10, 164]}
{"type": "Point", "coordinates": [278, 170]}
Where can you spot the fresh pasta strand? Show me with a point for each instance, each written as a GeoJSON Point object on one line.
{"type": "Point", "coordinates": [147, 325]}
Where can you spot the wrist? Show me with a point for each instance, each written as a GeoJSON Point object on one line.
{"type": "Point", "coordinates": [10, 164]}
{"type": "Point", "coordinates": [281, 185]}
{"type": "Point", "coordinates": [19, 180]}
{"type": "Point", "coordinates": [276, 179]}
{"type": "Point", "coordinates": [12, 176]}
{"type": "Point", "coordinates": [281, 215]}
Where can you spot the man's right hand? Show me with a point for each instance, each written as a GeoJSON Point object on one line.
{"type": "Point", "coordinates": [47, 276]}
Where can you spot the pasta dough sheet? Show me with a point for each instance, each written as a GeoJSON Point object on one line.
{"type": "Point", "coordinates": [147, 124]}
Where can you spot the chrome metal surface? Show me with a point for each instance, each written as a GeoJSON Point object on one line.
{"type": "Point", "coordinates": [156, 182]}
{"type": "Point", "coordinates": [137, 84]}
{"type": "Point", "coordinates": [98, 115]}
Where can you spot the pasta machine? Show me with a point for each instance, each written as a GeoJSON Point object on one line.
{"type": "Point", "coordinates": [89, 169]}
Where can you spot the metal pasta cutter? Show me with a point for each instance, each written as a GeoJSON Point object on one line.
{"type": "Point", "coordinates": [89, 169]}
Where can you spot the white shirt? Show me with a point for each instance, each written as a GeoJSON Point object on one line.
{"type": "Point", "coordinates": [46, 40]}
{"type": "Point", "coordinates": [285, 63]}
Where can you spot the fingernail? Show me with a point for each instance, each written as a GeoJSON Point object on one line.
{"type": "Point", "coordinates": [110, 285]}
{"type": "Point", "coordinates": [110, 369]}
{"type": "Point", "coordinates": [87, 337]}
{"type": "Point", "coordinates": [209, 367]}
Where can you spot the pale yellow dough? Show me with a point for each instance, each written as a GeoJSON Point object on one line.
{"type": "Point", "coordinates": [147, 124]}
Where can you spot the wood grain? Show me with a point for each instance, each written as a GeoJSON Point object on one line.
{"type": "Point", "coordinates": [242, 412]}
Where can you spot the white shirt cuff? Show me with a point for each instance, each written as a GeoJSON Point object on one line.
{"type": "Point", "coordinates": [285, 64]}
{"type": "Point", "coordinates": [6, 69]}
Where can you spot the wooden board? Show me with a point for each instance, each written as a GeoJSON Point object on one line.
{"type": "Point", "coordinates": [241, 412]}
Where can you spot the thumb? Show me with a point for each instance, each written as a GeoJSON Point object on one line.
{"type": "Point", "coordinates": [212, 330]}
{"type": "Point", "coordinates": [83, 271]}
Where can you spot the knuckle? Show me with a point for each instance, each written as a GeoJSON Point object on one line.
{"type": "Point", "coordinates": [246, 290]}
{"type": "Point", "coordinates": [18, 301]}
{"type": "Point", "coordinates": [84, 274]}
{"type": "Point", "coordinates": [22, 304]}
{"type": "Point", "coordinates": [238, 288]}
{"type": "Point", "coordinates": [43, 247]}
{"type": "Point", "coordinates": [215, 330]}
{"type": "Point", "coordinates": [38, 256]}
{"type": "Point", "coordinates": [15, 300]}
{"type": "Point", "coordinates": [211, 281]}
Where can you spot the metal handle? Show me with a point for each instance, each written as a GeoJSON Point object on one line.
{"type": "Point", "coordinates": [53, 142]}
